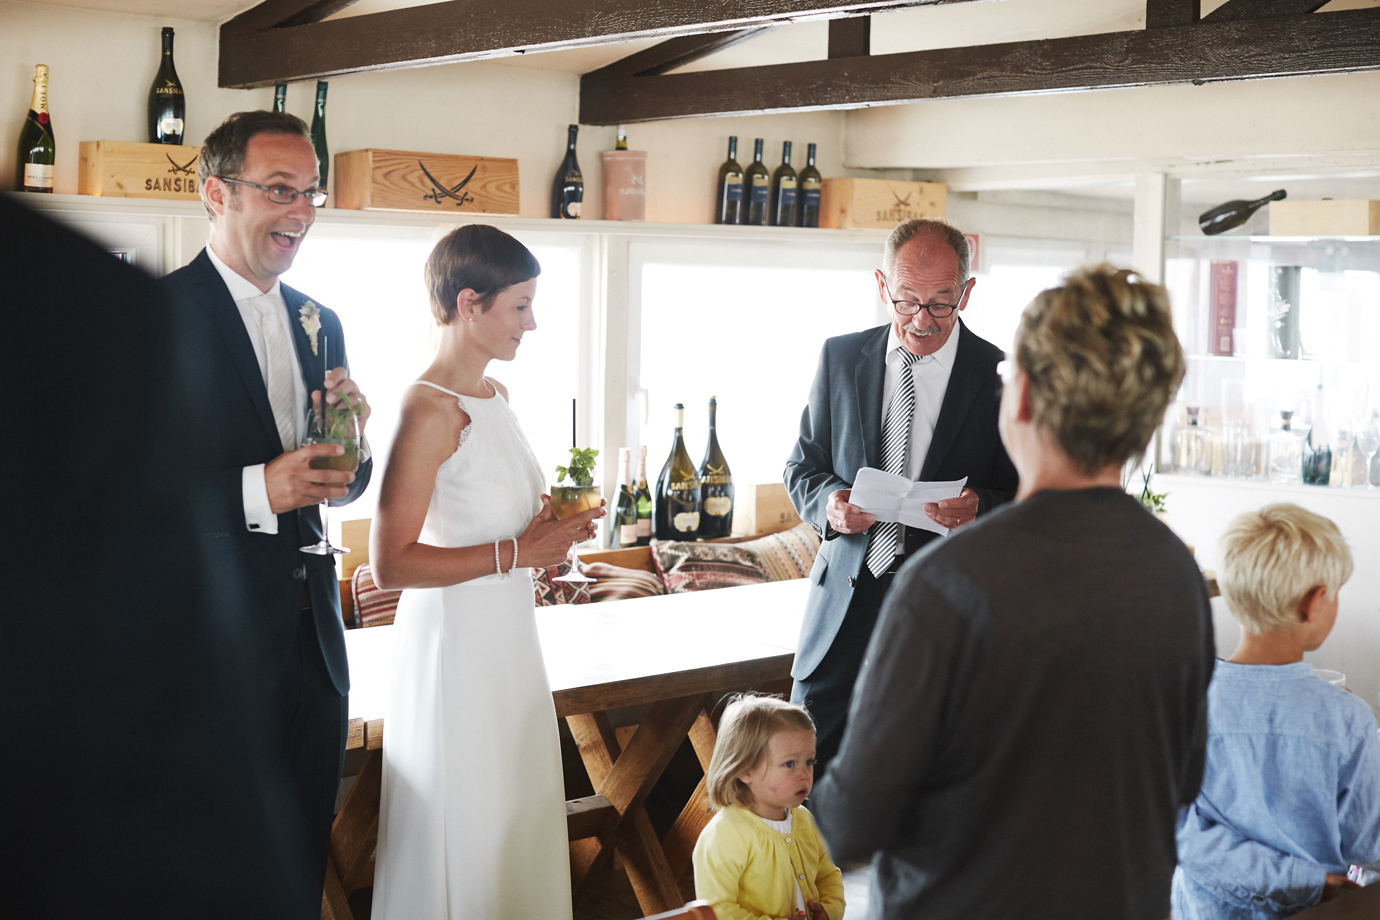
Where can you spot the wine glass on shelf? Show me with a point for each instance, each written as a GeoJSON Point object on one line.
{"type": "Point", "coordinates": [575, 489]}
{"type": "Point", "coordinates": [1367, 439]}
{"type": "Point", "coordinates": [338, 424]}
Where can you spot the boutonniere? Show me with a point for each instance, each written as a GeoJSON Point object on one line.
{"type": "Point", "coordinates": [310, 315]}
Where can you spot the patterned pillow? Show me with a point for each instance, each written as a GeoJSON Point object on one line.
{"type": "Point", "coordinates": [616, 583]}
{"type": "Point", "coordinates": [546, 591]}
{"type": "Point", "coordinates": [788, 554]}
{"type": "Point", "coordinates": [373, 605]}
{"type": "Point", "coordinates": [686, 567]}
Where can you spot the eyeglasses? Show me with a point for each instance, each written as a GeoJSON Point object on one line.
{"type": "Point", "coordinates": [284, 194]}
{"type": "Point", "coordinates": [911, 307]}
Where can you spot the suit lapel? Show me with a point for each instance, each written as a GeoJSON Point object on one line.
{"type": "Point", "coordinates": [963, 387]}
{"type": "Point", "coordinates": [870, 378]}
{"type": "Point", "coordinates": [220, 306]}
{"type": "Point", "coordinates": [312, 365]}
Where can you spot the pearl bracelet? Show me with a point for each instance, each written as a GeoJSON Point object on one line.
{"type": "Point", "coordinates": [498, 563]}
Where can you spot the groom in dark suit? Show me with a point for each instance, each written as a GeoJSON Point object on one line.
{"type": "Point", "coordinates": [253, 353]}
{"type": "Point", "coordinates": [919, 397]}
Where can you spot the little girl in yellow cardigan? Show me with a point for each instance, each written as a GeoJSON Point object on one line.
{"type": "Point", "coordinates": [761, 856]}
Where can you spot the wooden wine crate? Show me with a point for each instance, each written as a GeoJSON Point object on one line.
{"type": "Point", "coordinates": [399, 180]}
{"type": "Point", "coordinates": [1325, 218]}
{"type": "Point", "coordinates": [878, 204]}
{"type": "Point", "coordinates": [762, 509]}
{"type": "Point", "coordinates": [121, 169]}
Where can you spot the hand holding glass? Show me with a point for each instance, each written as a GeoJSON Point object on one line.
{"type": "Point", "coordinates": [575, 489]}
{"type": "Point", "coordinates": [338, 424]}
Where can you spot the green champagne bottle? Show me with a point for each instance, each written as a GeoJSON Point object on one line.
{"type": "Point", "coordinates": [728, 206]}
{"type": "Point", "coordinates": [783, 190]}
{"type": "Point", "coordinates": [716, 484]}
{"type": "Point", "coordinates": [810, 187]}
{"type": "Point", "coordinates": [318, 133]}
{"type": "Point", "coordinates": [624, 532]}
{"type": "Point", "coordinates": [756, 188]}
{"type": "Point", "coordinates": [643, 495]}
{"type": "Point", "coordinates": [37, 153]}
{"type": "Point", "coordinates": [676, 515]}
{"type": "Point", "coordinates": [280, 98]}
{"type": "Point", "coordinates": [167, 102]}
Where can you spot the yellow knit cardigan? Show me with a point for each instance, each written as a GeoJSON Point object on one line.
{"type": "Point", "coordinates": [748, 871]}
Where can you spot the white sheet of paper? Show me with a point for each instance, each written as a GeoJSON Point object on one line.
{"type": "Point", "coordinates": [895, 498]}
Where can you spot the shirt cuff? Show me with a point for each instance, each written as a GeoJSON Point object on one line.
{"type": "Point", "coordinates": [258, 514]}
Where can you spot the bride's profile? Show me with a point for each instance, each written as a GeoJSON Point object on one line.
{"type": "Point", "coordinates": [472, 818]}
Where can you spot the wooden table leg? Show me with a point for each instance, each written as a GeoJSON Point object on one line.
{"type": "Point", "coordinates": [355, 833]}
{"type": "Point", "coordinates": [679, 842]}
{"type": "Point", "coordinates": [334, 903]}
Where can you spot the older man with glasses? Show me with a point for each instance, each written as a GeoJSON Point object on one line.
{"type": "Point", "coordinates": [254, 355]}
{"type": "Point", "coordinates": [917, 397]}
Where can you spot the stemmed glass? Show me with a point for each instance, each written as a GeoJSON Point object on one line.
{"type": "Point", "coordinates": [338, 424]}
{"type": "Point", "coordinates": [573, 490]}
{"type": "Point", "coordinates": [1367, 438]}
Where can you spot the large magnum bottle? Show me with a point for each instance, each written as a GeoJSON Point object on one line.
{"type": "Point", "coordinates": [37, 153]}
{"type": "Point", "coordinates": [809, 190]}
{"type": "Point", "coordinates": [677, 511]}
{"type": "Point", "coordinates": [716, 484]}
{"type": "Point", "coordinates": [167, 102]}
{"type": "Point", "coordinates": [644, 499]}
{"type": "Point", "coordinates": [1233, 214]}
{"type": "Point", "coordinates": [728, 204]}
{"type": "Point", "coordinates": [318, 133]}
{"type": "Point", "coordinates": [783, 191]}
{"type": "Point", "coordinates": [756, 188]}
{"type": "Point", "coordinates": [624, 532]}
{"type": "Point", "coordinates": [568, 188]}
{"type": "Point", "coordinates": [280, 98]}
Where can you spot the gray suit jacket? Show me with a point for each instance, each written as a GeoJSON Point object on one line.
{"type": "Point", "coordinates": [840, 433]}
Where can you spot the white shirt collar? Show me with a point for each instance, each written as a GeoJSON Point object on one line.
{"type": "Point", "coordinates": [241, 288]}
{"type": "Point", "coordinates": [944, 356]}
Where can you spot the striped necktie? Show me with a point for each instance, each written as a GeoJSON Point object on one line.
{"type": "Point", "coordinates": [895, 440]}
{"type": "Point", "coordinates": [280, 364]}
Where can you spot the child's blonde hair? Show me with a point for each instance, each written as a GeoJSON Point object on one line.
{"type": "Point", "coordinates": [1272, 558]}
{"type": "Point", "coordinates": [747, 725]}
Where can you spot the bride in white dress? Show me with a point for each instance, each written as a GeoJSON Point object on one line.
{"type": "Point", "coordinates": [472, 819]}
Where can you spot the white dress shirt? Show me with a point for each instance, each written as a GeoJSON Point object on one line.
{"type": "Point", "coordinates": [931, 376]}
{"type": "Point", "coordinates": [258, 514]}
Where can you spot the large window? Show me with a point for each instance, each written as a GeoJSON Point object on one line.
{"type": "Point", "coordinates": [743, 322]}
{"type": "Point", "coordinates": [372, 278]}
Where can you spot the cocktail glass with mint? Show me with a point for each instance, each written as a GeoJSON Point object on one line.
{"type": "Point", "coordinates": [574, 488]}
{"type": "Point", "coordinates": [338, 424]}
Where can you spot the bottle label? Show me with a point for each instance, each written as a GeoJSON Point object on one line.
{"type": "Point", "coordinates": [809, 197]}
{"type": "Point", "coordinates": [170, 125]}
{"type": "Point", "coordinates": [688, 485]}
{"type": "Point", "coordinates": [787, 197]}
{"type": "Point", "coordinates": [733, 180]}
{"type": "Point", "coordinates": [573, 209]}
{"type": "Point", "coordinates": [627, 533]}
{"type": "Point", "coordinates": [644, 527]}
{"type": "Point", "coordinates": [759, 192]}
{"type": "Point", "coordinates": [716, 479]}
{"type": "Point", "coordinates": [38, 175]}
{"type": "Point", "coordinates": [787, 183]}
{"type": "Point", "coordinates": [718, 506]}
{"type": "Point", "coordinates": [686, 521]}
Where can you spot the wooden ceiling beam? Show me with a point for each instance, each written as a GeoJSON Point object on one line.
{"type": "Point", "coordinates": [1205, 52]}
{"type": "Point", "coordinates": [1258, 9]}
{"type": "Point", "coordinates": [280, 40]}
{"type": "Point", "coordinates": [851, 37]}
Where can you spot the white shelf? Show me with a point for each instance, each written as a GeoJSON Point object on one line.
{"type": "Point", "coordinates": [1203, 238]}
{"type": "Point", "coordinates": [1269, 491]}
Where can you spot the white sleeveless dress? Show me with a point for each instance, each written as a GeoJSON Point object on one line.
{"type": "Point", "coordinates": [472, 818]}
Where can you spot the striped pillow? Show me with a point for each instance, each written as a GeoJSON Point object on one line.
{"type": "Point", "coordinates": [616, 583]}
{"type": "Point", "coordinates": [373, 605]}
{"type": "Point", "coordinates": [788, 554]}
{"type": "Point", "coordinates": [686, 567]}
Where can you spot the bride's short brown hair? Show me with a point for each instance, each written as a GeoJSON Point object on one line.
{"type": "Point", "coordinates": [479, 257]}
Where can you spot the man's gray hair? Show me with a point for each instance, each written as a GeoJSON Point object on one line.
{"type": "Point", "coordinates": [930, 227]}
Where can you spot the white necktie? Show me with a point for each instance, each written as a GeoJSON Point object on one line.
{"type": "Point", "coordinates": [895, 441]}
{"type": "Point", "coordinates": [280, 365]}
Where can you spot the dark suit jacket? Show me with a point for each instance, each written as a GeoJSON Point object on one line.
{"type": "Point", "coordinates": [235, 429]}
{"type": "Point", "coordinates": [840, 433]}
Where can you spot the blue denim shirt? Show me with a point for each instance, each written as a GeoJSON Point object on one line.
{"type": "Point", "coordinates": [1291, 792]}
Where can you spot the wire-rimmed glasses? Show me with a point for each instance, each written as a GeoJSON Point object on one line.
{"type": "Point", "coordinates": [284, 194]}
{"type": "Point", "coordinates": [912, 307]}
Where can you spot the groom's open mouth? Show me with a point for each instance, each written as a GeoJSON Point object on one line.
{"type": "Point", "coordinates": [286, 240]}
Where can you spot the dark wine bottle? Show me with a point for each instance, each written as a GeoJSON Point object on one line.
{"type": "Point", "coordinates": [37, 153]}
{"type": "Point", "coordinates": [568, 188]}
{"type": "Point", "coordinates": [643, 495]}
{"type": "Point", "coordinates": [1233, 214]}
{"type": "Point", "coordinates": [676, 515]}
{"type": "Point", "coordinates": [728, 205]}
{"type": "Point", "coordinates": [810, 184]}
{"type": "Point", "coordinates": [318, 134]}
{"type": "Point", "coordinates": [280, 98]}
{"type": "Point", "coordinates": [624, 532]}
{"type": "Point", "coordinates": [783, 191]}
{"type": "Point", "coordinates": [167, 102]}
{"type": "Point", "coordinates": [756, 188]}
{"type": "Point", "coordinates": [716, 485]}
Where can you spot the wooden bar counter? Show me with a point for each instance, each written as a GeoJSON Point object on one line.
{"type": "Point", "coordinates": [677, 653]}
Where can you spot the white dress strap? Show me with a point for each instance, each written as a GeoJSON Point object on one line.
{"type": "Point", "coordinates": [437, 386]}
